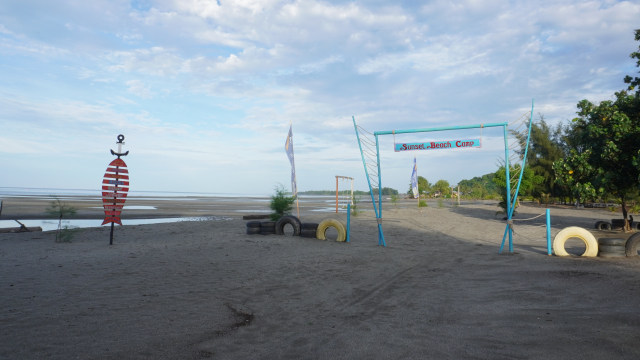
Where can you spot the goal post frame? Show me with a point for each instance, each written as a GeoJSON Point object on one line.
{"type": "Point", "coordinates": [338, 178]}
{"type": "Point", "coordinates": [378, 209]}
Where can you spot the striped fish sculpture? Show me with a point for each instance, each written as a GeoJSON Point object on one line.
{"type": "Point", "coordinates": [115, 186]}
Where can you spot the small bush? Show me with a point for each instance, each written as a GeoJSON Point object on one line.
{"type": "Point", "coordinates": [281, 204]}
{"type": "Point", "coordinates": [422, 203]}
{"type": "Point", "coordinates": [394, 200]}
{"type": "Point", "coordinates": [354, 208]}
{"type": "Point", "coordinates": [61, 210]}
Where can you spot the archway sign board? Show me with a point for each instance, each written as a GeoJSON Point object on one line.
{"type": "Point", "coordinates": [377, 170]}
{"type": "Point", "coordinates": [434, 145]}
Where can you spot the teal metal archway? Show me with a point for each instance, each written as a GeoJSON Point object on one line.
{"type": "Point", "coordinates": [377, 206]}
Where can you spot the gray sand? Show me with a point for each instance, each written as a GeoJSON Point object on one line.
{"type": "Point", "coordinates": [439, 290]}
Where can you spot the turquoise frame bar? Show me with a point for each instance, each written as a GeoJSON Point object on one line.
{"type": "Point", "coordinates": [376, 209]}
{"type": "Point", "coordinates": [512, 206]}
{"type": "Point", "coordinates": [549, 252]}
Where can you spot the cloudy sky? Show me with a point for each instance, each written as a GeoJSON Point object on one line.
{"type": "Point", "coordinates": [205, 91]}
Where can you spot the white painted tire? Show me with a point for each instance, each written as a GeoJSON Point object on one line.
{"type": "Point", "coordinates": [567, 233]}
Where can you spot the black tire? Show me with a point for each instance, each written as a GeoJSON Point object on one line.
{"type": "Point", "coordinates": [636, 226]}
{"type": "Point", "coordinates": [611, 251]}
{"type": "Point", "coordinates": [308, 233]}
{"type": "Point", "coordinates": [611, 242]}
{"type": "Point", "coordinates": [253, 230]}
{"type": "Point", "coordinates": [617, 223]}
{"type": "Point", "coordinates": [611, 247]}
{"type": "Point", "coordinates": [310, 226]}
{"type": "Point", "coordinates": [291, 220]}
{"type": "Point", "coordinates": [603, 225]}
{"type": "Point", "coordinates": [253, 224]}
{"type": "Point", "coordinates": [267, 227]}
{"type": "Point", "coordinates": [617, 249]}
{"type": "Point", "coordinates": [253, 227]}
{"type": "Point", "coordinates": [631, 248]}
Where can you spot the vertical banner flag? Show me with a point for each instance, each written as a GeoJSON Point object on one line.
{"type": "Point", "coordinates": [288, 147]}
{"type": "Point", "coordinates": [414, 178]}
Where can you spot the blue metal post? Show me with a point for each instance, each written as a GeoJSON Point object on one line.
{"type": "Point", "coordinates": [366, 172]}
{"type": "Point", "coordinates": [348, 220]}
{"type": "Point", "coordinates": [515, 197]}
{"type": "Point", "coordinates": [379, 217]}
{"type": "Point", "coordinates": [507, 230]}
{"type": "Point", "coordinates": [549, 232]}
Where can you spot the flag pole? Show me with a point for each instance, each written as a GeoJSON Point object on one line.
{"type": "Point", "coordinates": [296, 180]}
{"type": "Point", "coordinates": [297, 205]}
{"type": "Point", "coordinates": [288, 146]}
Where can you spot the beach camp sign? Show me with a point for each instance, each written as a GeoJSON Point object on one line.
{"type": "Point", "coordinates": [115, 186]}
{"type": "Point", "coordinates": [437, 145]}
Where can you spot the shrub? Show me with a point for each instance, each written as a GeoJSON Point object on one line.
{"type": "Point", "coordinates": [61, 210]}
{"type": "Point", "coordinates": [281, 204]}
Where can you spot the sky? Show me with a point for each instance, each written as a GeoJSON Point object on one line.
{"type": "Point", "coordinates": [205, 91]}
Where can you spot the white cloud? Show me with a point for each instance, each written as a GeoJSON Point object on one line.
{"type": "Point", "coordinates": [140, 89]}
{"type": "Point", "coordinates": [212, 86]}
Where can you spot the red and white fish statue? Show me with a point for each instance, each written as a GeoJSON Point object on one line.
{"type": "Point", "coordinates": [115, 186]}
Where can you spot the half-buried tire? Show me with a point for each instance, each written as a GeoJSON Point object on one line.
{"type": "Point", "coordinates": [267, 227]}
{"type": "Point", "coordinates": [326, 224]}
{"type": "Point", "coordinates": [567, 233]}
{"type": "Point", "coordinates": [603, 225]}
{"type": "Point", "coordinates": [308, 230]}
{"type": "Point", "coordinates": [631, 248]}
{"type": "Point", "coordinates": [253, 227]}
{"type": "Point", "coordinates": [288, 220]}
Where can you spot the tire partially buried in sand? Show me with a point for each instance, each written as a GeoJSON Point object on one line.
{"type": "Point", "coordinates": [575, 232]}
{"type": "Point", "coordinates": [631, 247]}
{"type": "Point", "coordinates": [288, 220]}
{"type": "Point", "coordinates": [326, 224]}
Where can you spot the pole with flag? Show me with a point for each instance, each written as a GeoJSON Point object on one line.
{"type": "Point", "coordinates": [414, 181]}
{"type": "Point", "coordinates": [288, 147]}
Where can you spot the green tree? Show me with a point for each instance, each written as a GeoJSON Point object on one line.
{"type": "Point", "coordinates": [605, 159]}
{"type": "Point", "coordinates": [480, 187]}
{"type": "Point", "coordinates": [385, 191]}
{"type": "Point", "coordinates": [423, 186]}
{"type": "Point", "coordinates": [529, 181]}
{"type": "Point", "coordinates": [634, 82]}
{"type": "Point", "coordinates": [442, 186]}
{"type": "Point", "coordinates": [281, 204]}
{"type": "Point", "coordinates": [545, 148]}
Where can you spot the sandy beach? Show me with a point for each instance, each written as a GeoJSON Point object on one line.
{"type": "Point", "coordinates": [206, 290]}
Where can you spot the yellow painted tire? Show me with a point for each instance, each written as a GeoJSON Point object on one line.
{"type": "Point", "coordinates": [327, 223]}
{"type": "Point", "coordinates": [567, 233]}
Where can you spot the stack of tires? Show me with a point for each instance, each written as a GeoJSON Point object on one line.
{"type": "Point", "coordinates": [611, 247]}
{"type": "Point", "coordinates": [261, 227]}
{"type": "Point", "coordinates": [307, 229]}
